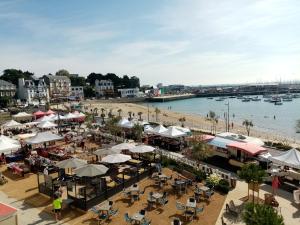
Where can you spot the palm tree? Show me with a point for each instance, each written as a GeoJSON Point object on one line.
{"type": "Point", "coordinates": [248, 124]}
{"type": "Point", "coordinates": [182, 120]}
{"type": "Point", "coordinates": [130, 115]}
{"type": "Point", "coordinates": [110, 113]}
{"type": "Point", "coordinates": [214, 120]}
{"type": "Point", "coordinates": [157, 111]}
{"type": "Point", "coordinates": [260, 214]}
{"type": "Point", "coordinates": [140, 115]}
{"type": "Point", "coordinates": [200, 150]}
{"type": "Point", "coordinates": [253, 175]}
{"type": "Point", "coordinates": [138, 131]}
{"type": "Point", "coordinates": [119, 111]}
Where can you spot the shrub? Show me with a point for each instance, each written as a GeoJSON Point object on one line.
{"type": "Point", "coordinates": [213, 180]}
{"type": "Point", "coordinates": [199, 175]}
{"type": "Point", "coordinates": [223, 186]}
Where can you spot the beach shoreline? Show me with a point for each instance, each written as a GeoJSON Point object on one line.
{"type": "Point", "coordinates": [194, 122]}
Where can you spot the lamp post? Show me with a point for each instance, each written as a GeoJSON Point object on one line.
{"type": "Point", "coordinates": [227, 120]}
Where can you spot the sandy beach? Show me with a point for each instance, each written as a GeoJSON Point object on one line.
{"type": "Point", "coordinates": [170, 117]}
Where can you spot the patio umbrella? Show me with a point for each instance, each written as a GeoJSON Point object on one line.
{"type": "Point", "coordinates": [7, 144]}
{"type": "Point", "coordinates": [142, 149]}
{"type": "Point", "coordinates": [116, 158]}
{"type": "Point", "coordinates": [71, 163]}
{"type": "Point", "coordinates": [104, 151]}
{"type": "Point", "coordinates": [91, 170]}
{"type": "Point", "coordinates": [123, 146]}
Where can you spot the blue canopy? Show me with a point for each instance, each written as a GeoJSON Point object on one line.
{"type": "Point", "coordinates": [220, 142]}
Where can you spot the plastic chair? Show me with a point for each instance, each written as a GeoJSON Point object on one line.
{"type": "Point", "coordinates": [180, 206]}
{"type": "Point", "coordinates": [127, 218]}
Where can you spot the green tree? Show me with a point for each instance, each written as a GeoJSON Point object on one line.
{"type": "Point", "coordinates": [248, 124]}
{"type": "Point", "coordinates": [260, 214]}
{"type": "Point", "coordinates": [157, 112]}
{"type": "Point", "coordinates": [214, 120]}
{"type": "Point", "coordinates": [62, 72]}
{"type": "Point", "coordinates": [140, 116]}
{"type": "Point", "coordinates": [138, 131]}
{"type": "Point", "coordinates": [77, 81]}
{"type": "Point", "coordinates": [200, 150]}
{"type": "Point", "coordinates": [119, 112]}
{"type": "Point", "coordinates": [252, 174]}
{"type": "Point", "coordinates": [110, 113]}
{"type": "Point", "coordinates": [13, 75]}
{"type": "Point", "coordinates": [89, 92]}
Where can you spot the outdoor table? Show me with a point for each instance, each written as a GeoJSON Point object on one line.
{"type": "Point", "coordinates": [191, 204]}
{"type": "Point", "coordinates": [180, 184]}
{"type": "Point", "coordinates": [138, 217]}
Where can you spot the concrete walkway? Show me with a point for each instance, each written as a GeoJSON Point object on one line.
{"type": "Point", "coordinates": [28, 215]}
{"type": "Point", "coordinates": [289, 210]}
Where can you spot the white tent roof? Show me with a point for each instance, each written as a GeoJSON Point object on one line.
{"type": "Point", "coordinates": [116, 158]}
{"type": "Point", "coordinates": [130, 124]}
{"type": "Point", "coordinates": [26, 136]}
{"type": "Point", "coordinates": [56, 117]}
{"type": "Point", "coordinates": [104, 151]}
{"type": "Point", "coordinates": [142, 149]}
{"type": "Point", "coordinates": [7, 144]}
{"type": "Point", "coordinates": [290, 158]}
{"type": "Point", "coordinates": [22, 115]}
{"type": "Point", "coordinates": [243, 138]}
{"type": "Point", "coordinates": [11, 124]}
{"type": "Point", "coordinates": [44, 118]}
{"type": "Point", "coordinates": [123, 121]}
{"type": "Point", "coordinates": [70, 116]}
{"type": "Point", "coordinates": [46, 124]}
{"type": "Point", "coordinates": [172, 132]}
{"type": "Point", "coordinates": [44, 137]}
{"type": "Point", "coordinates": [183, 129]}
{"type": "Point", "coordinates": [31, 123]}
{"type": "Point", "coordinates": [158, 130]}
{"type": "Point", "coordinates": [123, 146]}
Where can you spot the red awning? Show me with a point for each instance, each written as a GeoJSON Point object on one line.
{"type": "Point", "coordinates": [249, 148]}
{"type": "Point", "coordinates": [49, 112]}
{"type": "Point", "coordinates": [39, 113]}
{"type": "Point", "coordinates": [6, 211]}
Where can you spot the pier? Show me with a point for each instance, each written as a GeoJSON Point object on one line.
{"type": "Point", "coordinates": [168, 98]}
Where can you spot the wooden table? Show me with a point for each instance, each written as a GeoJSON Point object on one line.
{"type": "Point", "coordinates": [157, 195]}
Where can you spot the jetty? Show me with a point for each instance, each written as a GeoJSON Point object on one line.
{"type": "Point", "coordinates": [167, 98]}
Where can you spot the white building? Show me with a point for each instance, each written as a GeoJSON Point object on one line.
{"type": "Point", "coordinates": [77, 92]}
{"type": "Point", "coordinates": [33, 91]}
{"type": "Point", "coordinates": [59, 86]}
{"type": "Point", "coordinates": [129, 92]}
{"type": "Point", "coordinates": [7, 89]}
{"type": "Point", "coordinates": [104, 88]}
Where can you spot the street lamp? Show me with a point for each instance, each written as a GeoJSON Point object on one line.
{"type": "Point", "coordinates": [227, 120]}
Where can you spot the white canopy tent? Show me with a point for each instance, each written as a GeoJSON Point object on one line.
{"type": "Point", "coordinates": [44, 119]}
{"type": "Point", "coordinates": [123, 146]}
{"type": "Point", "coordinates": [70, 116]}
{"type": "Point", "coordinates": [290, 158]}
{"type": "Point", "coordinates": [157, 130]}
{"type": "Point", "coordinates": [104, 151]}
{"type": "Point", "coordinates": [11, 124]}
{"type": "Point", "coordinates": [43, 137]}
{"type": "Point", "coordinates": [46, 125]}
{"type": "Point", "coordinates": [22, 115]}
{"type": "Point", "coordinates": [142, 149]}
{"type": "Point", "coordinates": [183, 129]}
{"type": "Point", "coordinates": [172, 132]}
{"type": "Point", "coordinates": [7, 144]}
{"type": "Point", "coordinates": [116, 158]}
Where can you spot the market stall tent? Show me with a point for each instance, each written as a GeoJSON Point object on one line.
{"type": "Point", "coordinates": [172, 132]}
{"type": "Point", "coordinates": [22, 116]}
{"type": "Point", "coordinates": [39, 114]}
{"type": "Point", "coordinates": [43, 137]}
{"type": "Point", "coordinates": [11, 124]}
{"type": "Point", "coordinates": [157, 130]}
{"type": "Point", "coordinates": [8, 215]}
{"type": "Point", "coordinates": [290, 158]}
{"type": "Point", "coordinates": [46, 125]}
{"type": "Point", "coordinates": [7, 144]}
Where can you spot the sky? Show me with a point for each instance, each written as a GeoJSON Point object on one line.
{"type": "Point", "coordinates": [191, 42]}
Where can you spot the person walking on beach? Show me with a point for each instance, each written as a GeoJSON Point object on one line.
{"type": "Point", "coordinates": [57, 202]}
